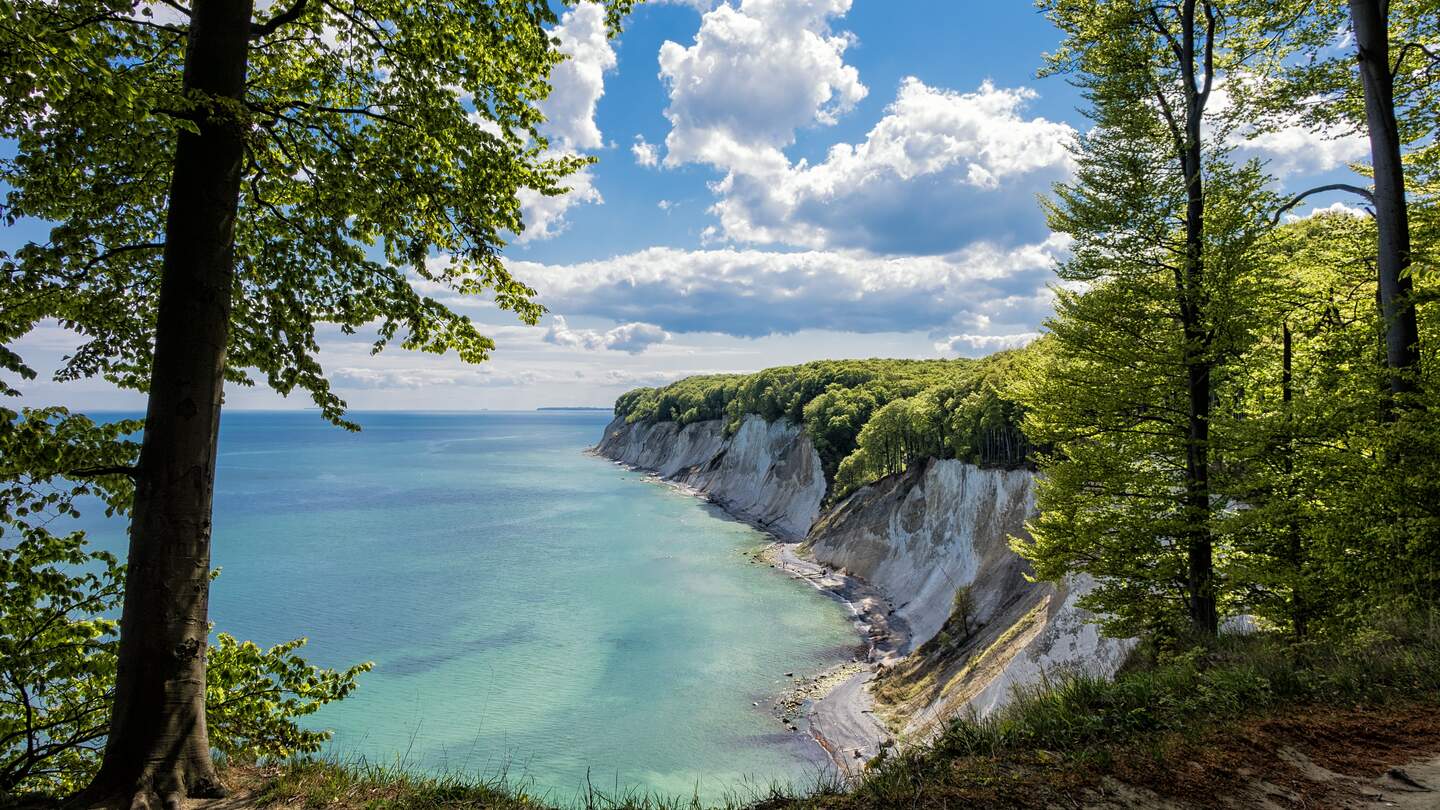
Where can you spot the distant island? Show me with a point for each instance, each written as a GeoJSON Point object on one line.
{"type": "Point", "coordinates": [577, 408]}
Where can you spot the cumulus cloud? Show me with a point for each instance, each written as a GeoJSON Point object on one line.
{"type": "Point", "coordinates": [577, 85]}
{"type": "Point", "coordinates": [939, 170]}
{"type": "Point", "coordinates": [753, 76]}
{"type": "Point", "coordinates": [1290, 148]}
{"type": "Point", "coordinates": [544, 216]}
{"type": "Point", "coordinates": [632, 338]}
{"type": "Point", "coordinates": [578, 82]}
{"type": "Point", "coordinates": [751, 293]}
{"type": "Point", "coordinates": [1336, 207]}
{"type": "Point", "coordinates": [646, 154]}
{"type": "Point", "coordinates": [979, 345]}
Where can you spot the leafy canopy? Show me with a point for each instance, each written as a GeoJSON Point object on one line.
{"type": "Point", "coordinates": [386, 146]}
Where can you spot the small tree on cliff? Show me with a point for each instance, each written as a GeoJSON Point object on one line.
{"type": "Point", "coordinates": [221, 184]}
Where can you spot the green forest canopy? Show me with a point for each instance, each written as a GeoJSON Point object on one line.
{"type": "Point", "coordinates": [866, 418]}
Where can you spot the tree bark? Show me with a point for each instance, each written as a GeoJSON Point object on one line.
{"type": "Point", "coordinates": [1402, 334]}
{"type": "Point", "coordinates": [158, 748]}
{"type": "Point", "coordinates": [1295, 545]}
{"type": "Point", "coordinates": [1200, 573]}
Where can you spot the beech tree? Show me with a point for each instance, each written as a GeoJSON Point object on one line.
{"type": "Point", "coordinates": [219, 184]}
{"type": "Point", "coordinates": [1381, 83]}
{"type": "Point", "coordinates": [1150, 313]}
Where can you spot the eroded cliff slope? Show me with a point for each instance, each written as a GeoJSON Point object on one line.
{"type": "Point", "coordinates": [766, 473]}
{"type": "Point", "coordinates": [919, 537]}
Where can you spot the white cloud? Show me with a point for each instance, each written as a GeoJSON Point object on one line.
{"type": "Point", "coordinates": [646, 154]}
{"type": "Point", "coordinates": [632, 338]}
{"type": "Point", "coordinates": [750, 293]}
{"type": "Point", "coordinates": [1290, 148]}
{"type": "Point", "coordinates": [701, 6]}
{"type": "Point", "coordinates": [979, 345]}
{"type": "Point", "coordinates": [664, 205]}
{"type": "Point", "coordinates": [1336, 207]}
{"type": "Point", "coordinates": [753, 76]}
{"type": "Point", "coordinates": [579, 82]}
{"type": "Point", "coordinates": [544, 216]}
{"type": "Point", "coordinates": [577, 85]}
{"type": "Point", "coordinates": [939, 170]}
{"type": "Point", "coordinates": [420, 377]}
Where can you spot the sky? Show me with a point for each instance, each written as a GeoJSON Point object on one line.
{"type": "Point", "coordinates": [777, 181]}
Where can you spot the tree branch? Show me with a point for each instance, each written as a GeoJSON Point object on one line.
{"type": "Point", "coordinates": [285, 17]}
{"type": "Point", "coordinates": [1209, 53]}
{"type": "Point", "coordinates": [1298, 198]}
{"type": "Point", "coordinates": [1405, 50]}
{"type": "Point", "coordinates": [94, 472]}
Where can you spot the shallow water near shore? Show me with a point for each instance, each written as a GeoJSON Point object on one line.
{"type": "Point", "coordinates": [532, 610]}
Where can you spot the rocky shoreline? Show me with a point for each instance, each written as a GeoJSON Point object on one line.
{"type": "Point", "coordinates": [833, 705]}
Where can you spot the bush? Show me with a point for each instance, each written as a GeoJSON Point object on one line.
{"type": "Point", "coordinates": [57, 673]}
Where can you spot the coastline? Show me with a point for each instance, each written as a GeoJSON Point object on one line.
{"type": "Point", "coordinates": [834, 703]}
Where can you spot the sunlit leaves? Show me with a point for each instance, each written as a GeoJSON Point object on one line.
{"type": "Point", "coordinates": [387, 144]}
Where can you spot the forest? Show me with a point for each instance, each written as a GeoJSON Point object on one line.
{"type": "Point", "coordinates": [1232, 411]}
{"type": "Point", "coordinates": [866, 418]}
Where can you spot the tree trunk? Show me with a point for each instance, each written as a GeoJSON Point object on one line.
{"type": "Point", "coordinates": [1200, 574]}
{"type": "Point", "coordinates": [1295, 547]}
{"type": "Point", "coordinates": [158, 748]}
{"type": "Point", "coordinates": [1402, 334]}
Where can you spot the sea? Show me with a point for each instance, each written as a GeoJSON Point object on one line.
{"type": "Point", "coordinates": [536, 614]}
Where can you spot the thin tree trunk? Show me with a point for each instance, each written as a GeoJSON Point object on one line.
{"type": "Point", "coordinates": [1295, 549]}
{"type": "Point", "coordinates": [1402, 334]}
{"type": "Point", "coordinates": [1200, 576]}
{"type": "Point", "coordinates": [158, 748]}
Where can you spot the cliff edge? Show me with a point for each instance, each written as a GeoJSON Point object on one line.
{"type": "Point", "coordinates": [935, 540]}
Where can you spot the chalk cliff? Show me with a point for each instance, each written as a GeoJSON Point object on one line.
{"type": "Point", "coordinates": [918, 537]}
{"type": "Point", "coordinates": [766, 473]}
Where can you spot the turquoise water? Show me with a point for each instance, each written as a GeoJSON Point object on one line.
{"type": "Point", "coordinates": [531, 610]}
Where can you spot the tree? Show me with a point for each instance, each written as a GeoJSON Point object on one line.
{"type": "Point", "coordinates": [1388, 94]}
{"type": "Point", "coordinates": [221, 186]}
{"type": "Point", "coordinates": [1151, 312]}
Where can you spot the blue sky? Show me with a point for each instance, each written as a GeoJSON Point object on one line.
{"type": "Point", "coordinates": [777, 181]}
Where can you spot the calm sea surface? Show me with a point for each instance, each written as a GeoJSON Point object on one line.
{"type": "Point", "coordinates": [530, 609]}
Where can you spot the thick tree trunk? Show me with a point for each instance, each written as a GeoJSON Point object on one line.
{"type": "Point", "coordinates": [1402, 334]}
{"type": "Point", "coordinates": [158, 748]}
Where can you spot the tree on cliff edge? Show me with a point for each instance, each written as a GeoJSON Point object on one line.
{"type": "Point", "coordinates": [1151, 311]}
{"type": "Point", "coordinates": [220, 184]}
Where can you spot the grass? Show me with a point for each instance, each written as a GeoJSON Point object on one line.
{"type": "Point", "coordinates": [316, 783]}
{"type": "Point", "coordinates": [1065, 733]}
{"type": "Point", "coordinates": [1187, 726]}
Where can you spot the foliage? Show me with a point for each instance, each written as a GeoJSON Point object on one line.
{"type": "Point", "coordinates": [348, 110]}
{"type": "Point", "coordinates": [1127, 392]}
{"type": "Point", "coordinates": [866, 418]}
{"type": "Point", "coordinates": [254, 698]}
{"type": "Point", "coordinates": [57, 631]}
{"type": "Point", "coordinates": [57, 660]}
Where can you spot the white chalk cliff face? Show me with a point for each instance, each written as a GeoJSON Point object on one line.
{"type": "Point", "coordinates": [767, 473]}
{"type": "Point", "coordinates": [919, 537]}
